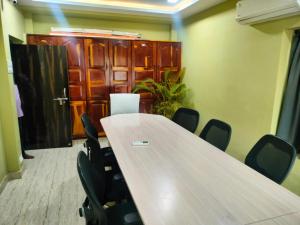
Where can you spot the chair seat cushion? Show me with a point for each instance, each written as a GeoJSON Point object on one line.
{"type": "Point", "coordinates": [107, 150]}
{"type": "Point", "coordinates": [116, 188]}
{"type": "Point", "coordinates": [123, 214]}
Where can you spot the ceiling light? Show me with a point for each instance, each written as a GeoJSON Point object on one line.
{"type": "Point", "coordinates": [173, 1]}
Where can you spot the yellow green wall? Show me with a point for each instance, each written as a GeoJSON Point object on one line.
{"type": "Point", "coordinates": [12, 24]}
{"type": "Point", "coordinates": [41, 24]}
{"type": "Point", "coordinates": [236, 73]}
{"type": "Point", "coordinates": [17, 27]}
{"type": "Point", "coordinates": [3, 169]}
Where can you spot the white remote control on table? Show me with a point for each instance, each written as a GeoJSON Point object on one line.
{"type": "Point", "coordinates": [140, 143]}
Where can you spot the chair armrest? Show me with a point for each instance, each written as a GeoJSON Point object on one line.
{"type": "Point", "coordinates": [118, 177]}
{"type": "Point", "coordinates": [132, 219]}
{"type": "Point", "coordinates": [109, 154]}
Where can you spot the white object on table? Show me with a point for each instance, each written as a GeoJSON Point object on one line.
{"type": "Point", "coordinates": [124, 103]}
{"type": "Point", "coordinates": [140, 143]}
{"type": "Point", "coordinates": [183, 180]}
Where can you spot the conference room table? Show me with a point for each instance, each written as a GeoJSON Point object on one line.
{"type": "Point", "coordinates": [180, 179]}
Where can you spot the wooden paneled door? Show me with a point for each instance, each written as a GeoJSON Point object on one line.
{"type": "Point", "coordinates": [41, 40]}
{"type": "Point", "coordinates": [97, 73]}
{"type": "Point", "coordinates": [77, 81]}
{"type": "Point", "coordinates": [76, 67]}
{"type": "Point", "coordinates": [97, 68]}
{"type": "Point", "coordinates": [168, 57]}
{"type": "Point", "coordinates": [146, 105]}
{"type": "Point", "coordinates": [96, 110]}
{"type": "Point", "coordinates": [144, 66]}
{"type": "Point", "coordinates": [120, 66]}
{"type": "Point", "coordinates": [77, 109]}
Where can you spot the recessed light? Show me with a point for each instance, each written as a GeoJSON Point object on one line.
{"type": "Point", "coordinates": [173, 1]}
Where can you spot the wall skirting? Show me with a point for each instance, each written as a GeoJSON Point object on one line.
{"type": "Point", "coordinates": [11, 176]}
{"type": "Point", "coordinates": [3, 183]}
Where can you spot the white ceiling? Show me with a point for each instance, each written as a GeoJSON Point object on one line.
{"type": "Point", "coordinates": [153, 2]}
{"type": "Point", "coordinates": [156, 8]}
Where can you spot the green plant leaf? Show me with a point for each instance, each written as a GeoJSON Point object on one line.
{"type": "Point", "coordinates": [167, 74]}
{"type": "Point", "coordinates": [169, 93]}
{"type": "Point", "coordinates": [149, 80]}
{"type": "Point", "coordinates": [143, 87]}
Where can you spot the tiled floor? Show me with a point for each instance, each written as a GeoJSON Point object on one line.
{"type": "Point", "coordinates": [49, 192]}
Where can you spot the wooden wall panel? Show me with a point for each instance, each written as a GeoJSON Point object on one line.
{"type": "Point", "coordinates": [97, 110]}
{"type": "Point", "coordinates": [168, 57]}
{"type": "Point", "coordinates": [41, 40]}
{"type": "Point", "coordinates": [120, 66]}
{"type": "Point", "coordinates": [143, 63]}
{"type": "Point", "coordinates": [146, 105]}
{"type": "Point", "coordinates": [77, 109]}
{"type": "Point", "coordinates": [97, 68]}
{"type": "Point", "coordinates": [76, 67]}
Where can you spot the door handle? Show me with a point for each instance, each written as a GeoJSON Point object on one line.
{"type": "Point", "coordinates": [61, 100]}
{"type": "Point", "coordinates": [65, 93]}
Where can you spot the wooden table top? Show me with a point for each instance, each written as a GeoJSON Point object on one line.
{"type": "Point", "coordinates": [179, 179]}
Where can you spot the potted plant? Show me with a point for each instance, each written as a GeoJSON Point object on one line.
{"type": "Point", "coordinates": [168, 94]}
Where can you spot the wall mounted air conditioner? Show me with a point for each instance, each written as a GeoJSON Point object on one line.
{"type": "Point", "coordinates": [257, 11]}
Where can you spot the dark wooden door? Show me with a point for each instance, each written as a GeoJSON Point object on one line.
{"type": "Point", "coordinates": [144, 66]}
{"type": "Point", "coordinates": [76, 74]}
{"type": "Point", "coordinates": [120, 66]}
{"type": "Point", "coordinates": [168, 57]}
{"type": "Point", "coordinates": [41, 75]}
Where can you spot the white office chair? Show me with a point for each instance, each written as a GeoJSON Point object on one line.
{"type": "Point", "coordinates": [124, 103]}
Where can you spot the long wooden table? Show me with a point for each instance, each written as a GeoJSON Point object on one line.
{"type": "Point", "coordinates": [179, 179]}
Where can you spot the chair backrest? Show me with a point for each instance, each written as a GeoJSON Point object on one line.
{"type": "Point", "coordinates": [94, 150]}
{"type": "Point", "coordinates": [217, 133]}
{"type": "Point", "coordinates": [93, 184]}
{"type": "Point", "coordinates": [187, 118]}
{"type": "Point", "coordinates": [124, 103]}
{"type": "Point", "coordinates": [272, 157]}
{"type": "Point", "coordinates": [92, 143]}
{"type": "Point", "coordinates": [88, 125]}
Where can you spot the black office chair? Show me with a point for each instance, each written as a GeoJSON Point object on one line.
{"type": "Point", "coordinates": [88, 125]}
{"type": "Point", "coordinates": [187, 118]}
{"type": "Point", "coordinates": [116, 188]}
{"type": "Point", "coordinates": [272, 157]}
{"type": "Point", "coordinates": [217, 133]}
{"type": "Point", "coordinates": [95, 150]}
{"type": "Point", "coordinates": [93, 183]}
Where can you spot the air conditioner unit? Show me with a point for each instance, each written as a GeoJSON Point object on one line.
{"type": "Point", "coordinates": [257, 11]}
